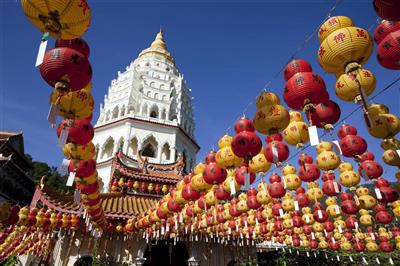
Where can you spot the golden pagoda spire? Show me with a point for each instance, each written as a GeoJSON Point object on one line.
{"type": "Point", "coordinates": [159, 41]}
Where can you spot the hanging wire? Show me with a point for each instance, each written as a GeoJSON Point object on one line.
{"type": "Point", "coordinates": [279, 72]}
{"type": "Point", "coordinates": [390, 85]}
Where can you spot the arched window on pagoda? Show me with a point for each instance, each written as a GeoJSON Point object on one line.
{"type": "Point", "coordinates": [154, 111]}
{"type": "Point", "coordinates": [166, 153]}
{"type": "Point", "coordinates": [115, 112]}
{"type": "Point", "coordinates": [133, 147]}
{"type": "Point", "coordinates": [123, 110]}
{"type": "Point", "coordinates": [108, 149]}
{"type": "Point", "coordinates": [150, 147]}
{"type": "Point", "coordinates": [149, 151]}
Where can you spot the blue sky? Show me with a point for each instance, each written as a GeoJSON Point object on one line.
{"type": "Point", "coordinates": [227, 50]}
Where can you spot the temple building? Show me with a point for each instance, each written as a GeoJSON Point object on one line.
{"type": "Point", "coordinates": [15, 184]}
{"type": "Point", "coordinates": [145, 144]}
{"type": "Point", "coordinates": [148, 108]}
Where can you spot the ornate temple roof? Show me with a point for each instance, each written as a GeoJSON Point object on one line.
{"type": "Point", "coordinates": [115, 205]}
{"type": "Point", "coordinates": [146, 171]}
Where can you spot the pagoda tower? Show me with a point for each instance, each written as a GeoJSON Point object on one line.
{"type": "Point", "coordinates": [146, 115]}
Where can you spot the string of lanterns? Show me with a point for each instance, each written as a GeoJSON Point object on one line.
{"type": "Point", "coordinates": [67, 69]}
{"type": "Point", "coordinates": [206, 201]}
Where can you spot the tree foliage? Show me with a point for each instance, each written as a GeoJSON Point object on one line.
{"type": "Point", "coordinates": [53, 177]}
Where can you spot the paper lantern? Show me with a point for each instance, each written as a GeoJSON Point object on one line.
{"type": "Point", "coordinates": [62, 19]}
{"type": "Point", "coordinates": [347, 86]}
{"type": "Point", "coordinates": [245, 143]}
{"type": "Point", "coordinates": [78, 44]}
{"type": "Point", "coordinates": [65, 68]}
{"type": "Point", "coordinates": [296, 133]}
{"type": "Point", "coordinates": [344, 46]}
{"type": "Point", "coordinates": [387, 9]}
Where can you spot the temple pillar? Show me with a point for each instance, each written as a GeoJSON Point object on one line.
{"type": "Point", "coordinates": [173, 154]}
{"type": "Point", "coordinates": [127, 138]}
{"type": "Point", "coordinates": [159, 150]}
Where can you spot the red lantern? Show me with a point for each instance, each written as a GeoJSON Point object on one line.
{"type": "Point", "coordinates": [348, 205]}
{"type": "Point", "coordinates": [173, 206]}
{"type": "Point", "coordinates": [276, 189]}
{"type": "Point", "coordinates": [388, 52]}
{"type": "Point", "coordinates": [331, 188]}
{"type": "Point", "coordinates": [80, 131]}
{"type": "Point", "coordinates": [328, 226]}
{"type": "Point", "coordinates": [351, 222]}
{"type": "Point", "coordinates": [77, 44]}
{"type": "Point", "coordinates": [213, 173]}
{"type": "Point", "coordinates": [304, 88]}
{"type": "Point", "coordinates": [245, 143]}
{"type": "Point", "coordinates": [252, 202]}
{"type": "Point", "coordinates": [83, 168]}
{"type": "Point", "coordinates": [387, 9]}
{"type": "Point", "coordinates": [351, 144]}
{"type": "Point", "coordinates": [309, 172]}
{"type": "Point", "coordinates": [384, 28]}
{"type": "Point", "coordinates": [345, 130]}
{"type": "Point", "coordinates": [305, 158]}
{"type": "Point", "coordinates": [233, 211]}
{"type": "Point", "coordinates": [161, 214]}
{"type": "Point", "coordinates": [301, 197]}
{"type": "Point", "coordinates": [296, 66]}
{"type": "Point", "coordinates": [326, 113]}
{"type": "Point", "coordinates": [188, 193]}
{"type": "Point", "coordinates": [319, 214]}
{"type": "Point", "coordinates": [276, 151]}
{"type": "Point", "coordinates": [368, 167]}
{"type": "Point", "coordinates": [386, 246]}
{"type": "Point", "coordinates": [68, 66]}
{"type": "Point", "coordinates": [241, 172]}
{"type": "Point", "coordinates": [220, 193]}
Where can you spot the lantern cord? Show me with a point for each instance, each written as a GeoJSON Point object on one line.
{"type": "Point", "coordinates": [390, 85]}
{"type": "Point", "coordinates": [294, 54]}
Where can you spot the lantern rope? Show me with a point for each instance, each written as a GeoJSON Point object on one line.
{"type": "Point", "coordinates": [293, 55]}
{"type": "Point", "coordinates": [389, 86]}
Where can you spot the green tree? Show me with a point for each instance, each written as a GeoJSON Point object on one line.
{"type": "Point", "coordinates": [53, 177]}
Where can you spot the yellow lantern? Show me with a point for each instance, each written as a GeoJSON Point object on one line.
{"type": "Point", "coordinates": [259, 164]}
{"type": "Point", "coordinates": [348, 177]}
{"type": "Point", "coordinates": [288, 203]}
{"type": "Point", "coordinates": [197, 182]}
{"type": "Point", "coordinates": [225, 156]}
{"type": "Point", "coordinates": [396, 208]}
{"type": "Point", "coordinates": [271, 117]}
{"type": "Point", "coordinates": [317, 227]}
{"type": "Point", "coordinates": [164, 188]}
{"type": "Point", "coordinates": [227, 182]}
{"type": "Point", "coordinates": [345, 245]}
{"type": "Point", "coordinates": [242, 204]}
{"type": "Point", "coordinates": [178, 197]}
{"type": "Point", "coordinates": [371, 245]}
{"type": "Point", "coordinates": [210, 198]}
{"type": "Point", "coordinates": [296, 133]}
{"type": "Point", "coordinates": [291, 180]}
{"type": "Point", "coordinates": [75, 104]}
{"type": "Point", "coordinates": [366, 218]}
{"type": "Point", "coordinates": [332, 24]}
{"type": "Point", "coordinates": [366, 201]}
{"type": "Point", "coordinates": [79, 152]}
{"type": "Point", "coordinates": [307, 217]}
{"type": "Point", "coordinates": [327, 160]}
{"type": "Point", "coordinates": [314, 193]}
{"type": "Point", "coordinates": [263, 197]}
{"type": "Point", "coordinates": [344, 46]}
{"type": "Point", "coordinates": [199, 168]}
{"type": "Point", "coordinates": [384, 125]}
{"type": "Point", "coordinates": [332, 209]}
{"type": "Point", "coordinates": [62, 19]}
{"type": "Point", "coordinates": [347, 86]}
